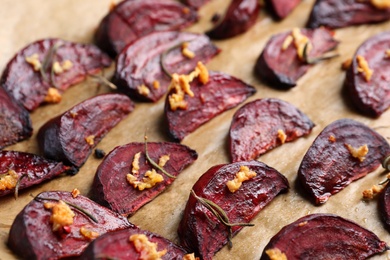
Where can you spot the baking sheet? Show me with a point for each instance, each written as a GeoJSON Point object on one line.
{"type": "Point", "coordinates": [318, 94]}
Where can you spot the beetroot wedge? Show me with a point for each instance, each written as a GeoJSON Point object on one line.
{"type": "Point", "coordinates": [195, 3]}
{"type": "Point", "coordinates": [132, 19]}
{"type": "Point", "coordinates": [283, 62]}
{"type": "Point", "coordinates": [113, 189]}
{"type": "Point", "coordinates": [50, 64]}
{"type": "Point", "coordinates": [281, 9]}
{"type": "Point", "coordinates": [32, 234]}
{"type": "Point", "coordinates": [384, 206]}
{"type": "Point", "coordinates": [264, 124]}
{"type": "Point", "coordinates": [368, 87]}
{"type": "Point", "coordinates": [323, 236]}
{"type": "Point", "coordinates": [343, 13]}
{"type": "Point", "coordinates": [140, 66]}
{"type": "Point", "coordinates": [71, 137]}
{"type": "Point", "coordinates": [343, 152]}
{"type": "Point", "coordinates": [202, 231]}
{"type": "Point", "coordinates": [240, 16]}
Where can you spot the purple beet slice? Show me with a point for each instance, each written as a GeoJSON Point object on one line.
{"type": "Point", "coordinates": [140, 66]}
{"type": "Point", "coordinates": [264, 124]}
{"type": "Point", "coordinates": [369, 88]}
{"type": "Point", "coordinates": [71, 137]}
{"type": "Point", "coordinates": [384, 206]}
{"type": "Point", "coordinates": [343, 13]}
{"type": "Point", "coordinates": [53, 63]}
{"type": "Point", "coordinates": [240, 16]}
{"type": "Point", "coordinates": [281, 9]}
{"type": "Point", "coordinates": [343, 152]}
{"type": "Point", "coordinates": [323, 236]}
{"type": "Point", "coordinates": [111, 188]}
{"type": "Point", "coordinates": [196, 3]}
{"type": "Point", "coordinates": [200, 230]}
{"type": "Point", "coordinates": [32, 236]}
{"type": "Point", "coordinates": [132, 19]}
{"type": "Point", "coordinates": [280, 66]}
{"type": "Point", "coordinates": [15, 122]}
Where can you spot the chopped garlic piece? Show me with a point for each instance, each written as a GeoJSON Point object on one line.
{"type": "Point", "coordinates": [147, 249]}
{"type": "Point", "coordinates": [358, 153]}
{"type": "Point", "coordinates": [53, 96]}
{"type": "Point", "coordinates": [332, 138]}
{"type": "Point", "coordinates": [89, 234]}
{"type": "Point", "coordinates": [300, 41]}
{"type": "Point", "coordinates": [187, 52]}
{"type": "Point", "coordinates": [364, 68]}
{"type": "Point", "coordinates": [73, 114]}
{"type": "Point", "coordinates": [90, 140]}
{"type": "Point", "coordinates": [163, 160]}
{"type": "Point", "coordinates": [66, 65]}
{"type": "Point", "coordinates": [302, 224]}
{"type": "Point", "coordinates": [156, 84]}
{"type": "Point", "coordinates": [75, 193]}
{"type": "Point", "coordinates": [387, 53]}
{"type": "Point", "coordinates": [186, 10]}
{"type": "Point", "coordinates": [135, 164]}
{"type": "Point", "coordinates": [33, 60]}
{"type": "Point", "coordinates": [282, 136]}
{"type": "Point", "coordinates": [61, 215]}
{"type": "Point", "coordinates": [370, 193]}
{"type": "Point", "coordinates": [60, 68]}
{"type": "Point", "coordinates": [143, 90]}
{"type": "Point", "coordinates": [287, 42]}
{"type": "Point", "coordinates": [381, 4]}
{"type": "Point", "coordinates": [244, 174]}
{"type": "Point", "coordinates": [150, 180]}
{"type": "Point", "coordinates": [203, 72]}
{"type": "Point", "coordinates": [276, 254]}
{"type": "Point", "coordinates": [57, 68]}
{"type": "Point", "coordinates": [190, 257]}
{"type": "Point", "coordinates": [9, 180]}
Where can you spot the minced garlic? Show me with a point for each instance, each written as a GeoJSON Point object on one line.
{"type": "Point", "coordinates": [282, 136]}
{"type": "Point", "coordinates": [287, 42]}
{"type": "Point", "coordinates": [374, 190]}
{"type": "Point", "coordinates": [61, 215]}
{"type": "Point", "coordinates": [8, 180]}
{"type": "Point", "coordinates": [381, 4]}
{"type": "Point", "coordinates": [60, 68]}
{"type": "Point", "coordinates": [75, 193]}
{"type": "Point", "coordinates": [156, 84]}
{"type": "Point", "coordinates": [244, 174]}
{"type": "Point", "coordinates": [364, 68]}
{"type": "Point", "coordinates": [332, 138]}
{"type": "Point", "coordinates": [150, 179]}
{"type": "Point", "coordinates": [301, 42]}
{"type": "Point", "coordinates": [90, 140]}
{"type": "Point", "coordinates": [190, 257]}
{"type": "Point", "coordinates": [53, 96]}
{"type": "Point", "coordinates": [276, 254]}
{"type": "Point", "coordinates": [186, 10]}
{"type": "Point", "coordinates": [302, 224]}
{"type": "Point", "coordinates": [187, 52]}
{"type": "Point", "coordinates": [88, 234]}
{"type": "Point", "coordinates": [387, 53]}
{"type": "Point", "coordinates": [147, 249]}
{"type": "Point", "coordinates": [143, 90]}
{"type": "Point", "coordinates": [163, 160]}
{"type": "Point", "coordinates": [358, 153]}
{"type": "Point", "coordinates": [33, 60]}
{"type": "Point", "coordinates": [135, 164]}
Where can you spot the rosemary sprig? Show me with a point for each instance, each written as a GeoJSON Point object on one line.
{"type": "Point", "coordinates": [48, 61]}
{"type": "Point", "coordinates": [104, 81]}
{"type": "Point", "coordinates": [16, 192]}
{"type": "Point", "coordinates": [386, 163]}
{"type": "Point", "coordinates": [326, 56]}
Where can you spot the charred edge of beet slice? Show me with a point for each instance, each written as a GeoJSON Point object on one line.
{"type": "Point", "coordinates": [281, 9]}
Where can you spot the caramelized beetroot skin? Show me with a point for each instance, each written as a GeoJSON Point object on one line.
{"type": "Point", "coordinates": [240, 16]}
{"type": "Point", "coordinates": [255, 126]}
{"type": "Point", "coordinates": [384, 206]}
{"type": "Point", "coordinates": [140, 63]}
{"type": "Point", "coordinates": [371, 97]}
{"type": "Point", "coordinates": [328, 166]}
{"type": "Point", "coordinates": [65, 137]}
{"type": "Point", "coordinates": [325, 236]}
{"type": "Point", "coordinates": [219, 94]}
{"type": "Point", "coordinates": [196, 3]}
{"type": "Point", "coordinates": [343, 13]}
{"type": "Point", "coordinates": [281, 9]}
{"type": "Point", "coordinates": [133, 19]}
{"type": "Point", "coordinates": [111, 188]}
{"type": "Point", "coordinates": [282, 68]}
{"type": "Point", "coordinates": [31, 235]}
{"type": "Point", "coordinates": [28, 86]}
{"type": "Point", "coordinates": [200, 231]}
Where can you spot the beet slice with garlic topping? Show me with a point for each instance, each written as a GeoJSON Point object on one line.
{"type": "Point", "coordinates": [343, 152]}
{"type": "Point", "coordinates": [281, 9]}
{"type": "Point", "coordinates": [71, 137]}
{"type": "Point", "coordinates": [111, 188]}
{"type": "Point", "coordinates": [30, 85]}
{"type": "Point", "coordinates": [32, 236]}
{"type": "Point", "coordinates": [264, 124]}
{"type": "Point", "coordinates": [323, 236]}
{"type": "Point", "coordinates": [200, 230]}
{"type": "Point", "coordinates": [196, 3]}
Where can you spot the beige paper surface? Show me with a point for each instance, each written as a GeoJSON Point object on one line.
{"type": "Point", "coordinates": [318, 94]}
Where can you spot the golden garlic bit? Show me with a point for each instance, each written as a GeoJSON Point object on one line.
{"type": "Point", "coordinates": [372, 192]}
{"type": "Point", "coordinates": [364, 68]}
{"type": "Point", "coordinates": [147, 249]}
{"type": "Point", "coordinates": [61, 215]}
{"type": "Point", "coordinates": [287, 42]}
{"type": "Point", "coordinates": [187, 52]}
{"type": "Point", "coordinates": [53, 96]}
{"type": "Point", "coordinates": [8, 180]}
{"type": "Point", "coordinates": [59, 68]}
{"type": "Point", "coordinates": [150, 180]}
{"type": "Point", "coordinates": [302, 43]}
{"type": "Point", "coordinates": [282, 136]}
{"type": "Point", "coordinates": [88, 234]}
{"type": "Point", "coordinates": [33, 60]}
{"type": "Point", "coordinates": [75, 193]}
{"type": "Point", "coordinates": [381, 4]}
{"type": "Point", "coordinates": [332, 138]}
{"type": "Point", "coordinates": [90, 140]}
{"type": "Point", "coordinates": [135, 164]}
{"type": "Point", "coordinates": [242, 175]}
{"type": "Point", "coordinates": [163, 160]}
{"type": "Point", "coordinates": [359, 152]}
{"type": "Point", "coordinates": [190, 257]}
{"type": "Point", "coordinates": [387, 53]}
{"type": "Point", "coordinates": [276, 254]}
{"type": "Point", "coordinates": [143, 90]}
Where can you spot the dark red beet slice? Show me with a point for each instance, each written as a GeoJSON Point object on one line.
{"type": "Point", "coordinates": [133, 19]}
{"type": "Point", "coordinates": [31, 235]}
{"type": "Point", "coordinates": [71, 137]}
{"type": "Point", "coordinates": [195, 3]}
{"type": "Point", "coordinates": [343, 13]}
{"type": "Point", "coordinates": [324, 236]}
{"type": "Point", "coordinates": [384, 206]}
{"type": "Point", "coordinates": [281, 9]}
{"type": "Point", "coordinates": [140, 63]}
{"type": "Point", "coordinates": [240, 16]}
{"type": "Point", "coordinates": [28, 86]}
{"type": "Point", "coordinates": [15, 122]}
{"type": "Point", "coordinates": [329, 165]}
{"type": "Point", "coordinates": [111, 188]}
{"type": "Point", "coordinates": [282, 68]}
{"type": "Point", "coordinates": [27, 169]}
{"type": "Point", "coordinates": [116, 245]}
{"type": "Point", "coordinates": [219, 94]}
{"type": "Point", "coordinates": [371, 96]}
{"type": "Point", "coordinates": [200, 231]}
{"type": "Point", "coordinates": [264, 124]}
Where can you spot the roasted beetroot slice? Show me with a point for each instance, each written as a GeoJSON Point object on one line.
{"type": "Point", "coordinates": [282, 68]}
{"type": "Point", "coordinates": [31, 235]}
{"type": "Point", "coordinates": [139, 72]}
{"type": "Point", "coordinates": [116, 245]}
{"type": "Point", "coordinates": [222, 92]}
{"type": "Point", "coordinates": [111, 188]}
{"type": "Point", "coordinates": [200, 231]}
{"type": "Point", "coordinates": [324, 236]}
{"type": "Point", "coordinates": [71, 137]}
{"type": "Point", "coordinates": [343, 152]}
{"type": "Point", "coordinates": [30, 87]}
{"type": "Point", "coordinates": [133, 19]}
{"type": "Point", "coordinates": [264, 124]}
{"type": "Point", "coordinates": [196, 3]}
{"type": "Point", "coordinates": [384, 206]}
{"type": "Point", "coordinates": [281, 9]}
{"type": "Point", "coordinates": [15, 122]}
{"type": "Point", "coordinates": [240, 16]}
{"type": "Point", "coordinates": [343, 13]}
{"type": "Point", "coordinates": [371, 95]}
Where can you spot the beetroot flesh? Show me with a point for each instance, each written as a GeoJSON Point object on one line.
{"type": "Point", "coordinates": [196, 3]}
{"type": "Point", "coordinates": [140, 62]}
{"type": "Point", "coordinates": [111, 188]}
{"type": "Point", "coordinates": [31, 235]}
{"type": "Point", "coordinates": [282, 68]}
{"type": "Point", "coordinates": [281, 9]}
{"type": "Point", "coordinates": [328, 166]}
{"type": "Point", "coordinates": [200, 231]}
{"type": "Point", "coordinates": [63, 138]}
{"type": "Point", "coordinates": [28, 86]}
{"type": "Point", "coordinates": [325, 236]}
{"type": "Point", "coordinates": [384, 206]}
{"type": "Point", "coordinates": [254, 128]}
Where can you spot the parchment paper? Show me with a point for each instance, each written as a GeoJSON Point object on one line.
{"type": "Point", "coordinates": [318, 94]}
